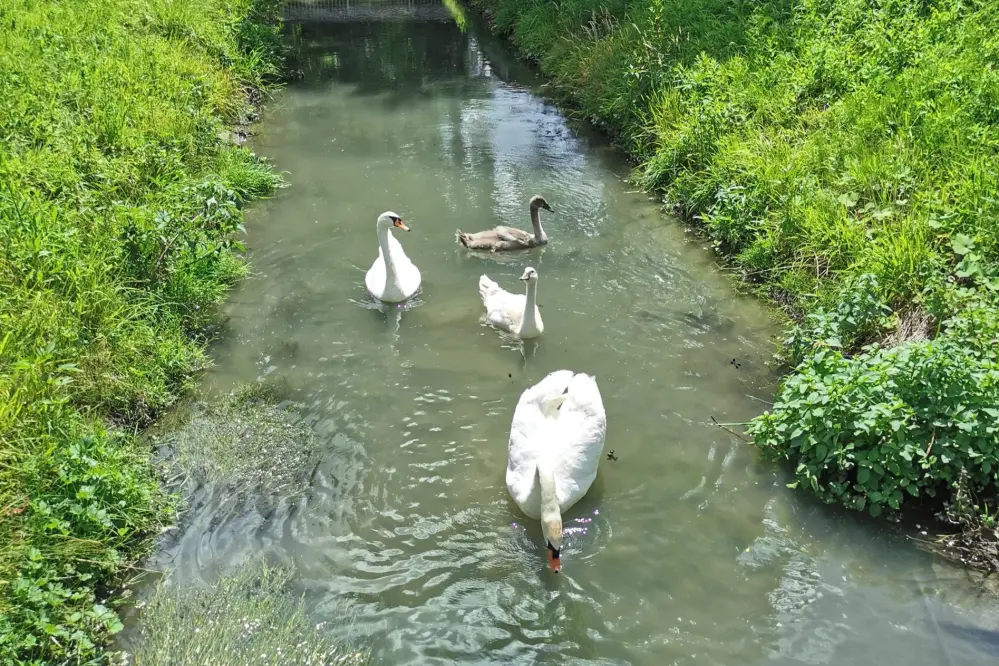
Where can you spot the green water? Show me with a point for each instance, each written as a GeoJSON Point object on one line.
{"type": "Point", "coordinates": [687, 549]}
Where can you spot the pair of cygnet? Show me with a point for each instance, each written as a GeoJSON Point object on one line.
{"type": "Point", "coordinates": [559, 425]}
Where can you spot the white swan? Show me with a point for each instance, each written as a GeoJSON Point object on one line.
{"type": "Point", "coordinates": [515, 313]}
{"type": "Point", "coordinates": [556, 442]}
{"type": "Point", "coordinates": [392, 278]}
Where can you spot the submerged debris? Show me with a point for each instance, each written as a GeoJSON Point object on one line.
{"type": "Point", "coordinates": [245, 440]}
{"type": "Point", "coordinates": [249, 618]}
{"type": "Point", "coordinates": [976, 544]}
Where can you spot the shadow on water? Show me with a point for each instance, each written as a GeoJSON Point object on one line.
{"type": "Point", "coordinates": [396, 60]}
{"type": "Point", "coordinates": [986, 640]}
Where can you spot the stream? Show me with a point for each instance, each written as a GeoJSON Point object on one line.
{"type": "Point", "coordinates": [687, 550]}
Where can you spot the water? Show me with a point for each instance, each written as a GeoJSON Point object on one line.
{"type": "Point", "coordinates": [687, 549]}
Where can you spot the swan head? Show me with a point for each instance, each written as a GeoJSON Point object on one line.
{"type": "Point", "coordinates": [538, 201]}
{"type": "Point", "coordinates": [390, 219]}
{"type": "Point", "coordinates": [551, 528]}
{"type": "Point", "coordinates": [530, 275]}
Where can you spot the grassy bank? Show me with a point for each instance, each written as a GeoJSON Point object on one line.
{"type": "Point", "coordinates": [119, 201]}
{"type": "Point", "coordinates": [842, 157]}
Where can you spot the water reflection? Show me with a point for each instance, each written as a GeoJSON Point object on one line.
{"type": "Point", "coordinates": [379, 57]}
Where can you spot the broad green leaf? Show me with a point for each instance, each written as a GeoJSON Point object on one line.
{"type": "Point", "coordinates": [962, 244]}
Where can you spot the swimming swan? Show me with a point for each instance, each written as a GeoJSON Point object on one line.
{"type": "Point", "coordinates": [393, 277]}
{"type": "Point", "coordinates": [508, 238]}
{"type": "Point", "coordinates": [556, 442]}
{"type": "Point", "coordinates": [514, 313]}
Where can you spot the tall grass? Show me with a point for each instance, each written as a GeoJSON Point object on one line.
{"type": "Point", "coordinates": [820, 144]}
{"type": "Point", "coordinates": [119, 201]}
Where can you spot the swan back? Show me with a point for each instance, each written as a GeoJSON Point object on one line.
{"type": "Point", "coordinates": [560, 423]}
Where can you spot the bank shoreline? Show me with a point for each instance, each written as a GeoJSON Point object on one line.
{"type": "Point", "coordinates": [765, 132]}
{"type": "Point", "coordinates": [124, 179]}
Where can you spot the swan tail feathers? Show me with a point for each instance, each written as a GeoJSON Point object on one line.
{"type": "Point", "coordinates": [487, 288]}
{"type": "Point", "coordinates": [461, 237]}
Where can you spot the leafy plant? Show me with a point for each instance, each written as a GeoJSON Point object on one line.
{"type": "Point", "coordinates": [885, 424]}
{"type": "Point", "coordinates": [858, 314]}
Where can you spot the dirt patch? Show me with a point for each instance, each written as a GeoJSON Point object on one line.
{"type": "Point", "coordinates": [975, 538]}
{"type": "Point", "coordinates": [913, 325]}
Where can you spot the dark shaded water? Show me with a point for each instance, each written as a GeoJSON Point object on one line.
{"type": "Point", "coordinates": [686, 550]}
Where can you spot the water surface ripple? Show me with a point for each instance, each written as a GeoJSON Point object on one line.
{"type": "Point", "coordinates": [686, 551]}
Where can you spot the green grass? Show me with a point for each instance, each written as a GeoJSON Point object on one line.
{"type": "Point", "coordinates": [836, 152]}
{"type": "Point", "coordinates": [119, 203]}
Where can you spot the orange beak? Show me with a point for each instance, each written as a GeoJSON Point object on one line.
{"type": "Point", "coordinates": [402, 225]}
{"type": "Point", "coordinates": [554, 563]}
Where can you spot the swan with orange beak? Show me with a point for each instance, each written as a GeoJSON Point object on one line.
{"type": "Point", "coordinates": [556, 443]}
{"type": "Point", "coordinates": [392, 278]}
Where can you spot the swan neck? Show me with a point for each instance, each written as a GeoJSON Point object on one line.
{"type": "Point", "coordinates": [530, 303]}
{"type": "Point", "coordinates": [539, 233]}
{"type": "Point", "coordinates": [383, 243]}
{"type": "Point", "coordinates": [549, 498]}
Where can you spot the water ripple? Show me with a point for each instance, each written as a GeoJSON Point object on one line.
{"type": "Point", "coordinates": [686, 550]}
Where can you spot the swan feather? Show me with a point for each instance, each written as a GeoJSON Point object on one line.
{"type": "Point", "coordinates": [559, 422]}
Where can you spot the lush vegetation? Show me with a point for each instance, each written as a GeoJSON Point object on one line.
{"type": "Point", "coordinates": [119, 198]}
{"type": "Point", "coordinates": [249, 618]}
{"type": "Point", "coordinates": [842, 155]}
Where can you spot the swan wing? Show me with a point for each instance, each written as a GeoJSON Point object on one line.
{"type": "Point", "coordinates": [578, 443]}
{"type": "Point", "coordinates": [407, 273]}
{"type": "Point", "coordinates": [561, 418]}
{"type": "Point", "coordinates": [513, 235]}
{"type": "Point", "coordinates": [374, 279]}
{"type": "Point", "coordinates": [527, 442]}
{"type": "Point", "coordinates": [503, 309]}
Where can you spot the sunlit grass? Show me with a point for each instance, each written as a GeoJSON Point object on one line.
{"type": "Point", "coordinates": [119, 208]}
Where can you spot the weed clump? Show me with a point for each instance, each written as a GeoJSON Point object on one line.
{"type": "Point", "coordinates": [247, 619]}
{"type": "Point", "coordinates": [870, 428]}
{"type": "Point", "coordinates": [119, 208]}
{"type": "Point", "coordinates": [242, 440]}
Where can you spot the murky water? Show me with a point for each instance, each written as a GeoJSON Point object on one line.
{"type": "Point", "coordinates": [687, 550]}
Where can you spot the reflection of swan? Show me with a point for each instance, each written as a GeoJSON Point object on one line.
{"type": "Point", "coordinates": [509, 238]}
{"type": "Point", "coordinates": [393, 277]}
{"type": "Point", "coordinates": [514, 313]}
{"type": "Point", "coordinates": [556, 441]}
